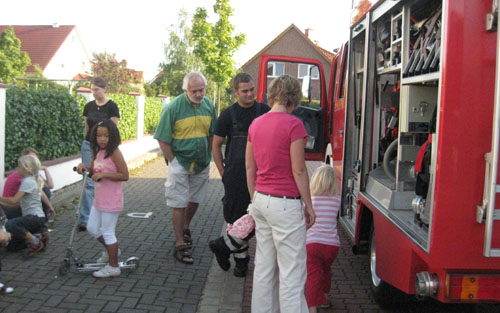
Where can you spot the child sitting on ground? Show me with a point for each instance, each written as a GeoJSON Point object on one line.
{"type": "Point", "coordinates": [28, 196]}
{"type": "Point", "coordinates": [13, 182]}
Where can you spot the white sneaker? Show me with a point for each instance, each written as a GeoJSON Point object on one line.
{"type": "Point", "coordinates": [104, 258]}
{"type": "Point", "coordinates": [107, 271]}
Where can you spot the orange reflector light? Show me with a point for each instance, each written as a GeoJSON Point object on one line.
{"type": "Point", "coordinates": [469, 287]}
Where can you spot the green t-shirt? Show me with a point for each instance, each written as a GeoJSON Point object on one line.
{"type": "Point", "coordinates": [187, 129]}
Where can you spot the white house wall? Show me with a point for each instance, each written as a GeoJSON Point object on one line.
{"type": "Point", "coordinates": [71, 59]}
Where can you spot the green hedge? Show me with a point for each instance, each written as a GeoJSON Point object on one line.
{"type": "Point", "coordinates": [45, 119]}
{"type": "Point", "coordinates": [51, 121]}
{"type": "Point", "coordinates": [128, 115]}
{"type": "Point", "coordinates": [152, 112]}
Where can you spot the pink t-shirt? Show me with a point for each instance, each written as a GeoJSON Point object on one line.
{"type": "Point", "coordinates": [108, 193]}
{"type": "Point", "coordinates": [12, 184]}
{"type": "Point", "coordinates": [271, 136]}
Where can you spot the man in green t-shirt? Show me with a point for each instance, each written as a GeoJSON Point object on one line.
{"type": "Point", "coordinates": [185, 133]}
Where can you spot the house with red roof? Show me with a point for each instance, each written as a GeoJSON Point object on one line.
{"type": "Point", "coordinates": [294, 43]}
{"type": "Point", "coordinates": [57, 49]}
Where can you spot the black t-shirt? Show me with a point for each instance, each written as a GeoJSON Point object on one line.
{"type": "Point", "coordinates": [244, 117]}
{"type": "Point", "coordinates": [95, 113]}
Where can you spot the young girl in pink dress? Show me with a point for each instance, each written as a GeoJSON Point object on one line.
{"type": "Point", "coordinates": [322, 239]}
{"type": "Point", "coordinates": [109, 171]}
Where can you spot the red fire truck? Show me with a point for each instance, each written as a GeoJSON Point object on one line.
{"type": "Point", "coordinates": [411, 124]}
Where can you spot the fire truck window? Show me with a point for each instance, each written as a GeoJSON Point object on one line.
{"type": "Point", "coordinates": [275, 69]}
{"type": "Point", "coordinates": [308, 70]}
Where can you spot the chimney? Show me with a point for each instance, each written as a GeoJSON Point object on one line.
{"type": "Point", "coordinates": [307, 32]}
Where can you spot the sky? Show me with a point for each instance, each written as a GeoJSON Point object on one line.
{"type": "Point", "coordinates": [137, 31]}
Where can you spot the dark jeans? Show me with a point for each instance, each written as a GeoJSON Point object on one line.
{"type": "Point", "coordinates": [19, 226]}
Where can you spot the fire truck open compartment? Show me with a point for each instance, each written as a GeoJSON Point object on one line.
{"type": "Point", "coordinates": [391, 112]}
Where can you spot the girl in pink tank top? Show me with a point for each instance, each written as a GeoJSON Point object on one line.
{"type": "Point", "coordinates": [109, 171]}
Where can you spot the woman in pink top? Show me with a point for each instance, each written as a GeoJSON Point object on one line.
{"type": "Point", "coordinates": [281, 205]}
{"type": "Point", "coordinates": [322, 239]}
{"type": "Point", "coordinates": [109, 171]}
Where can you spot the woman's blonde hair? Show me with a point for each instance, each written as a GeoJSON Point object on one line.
{"type": "Point", "coordinates": [324, 181]}
{"type": "Point", "coordinates": [32, 165]}
{"type": "Point", "coordinates": [285, 90]}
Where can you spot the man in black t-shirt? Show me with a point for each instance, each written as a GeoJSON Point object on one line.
{"type": "Point", "coordinates": [233, 123]}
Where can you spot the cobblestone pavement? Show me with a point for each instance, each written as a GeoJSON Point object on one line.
{"type": "Point", "coordinates": [161, 284]}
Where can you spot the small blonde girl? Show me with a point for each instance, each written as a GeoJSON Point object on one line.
{"type": "Point", "coordinates": [322, 239]}
{"type": "Point", "coordinates": [28, 197]}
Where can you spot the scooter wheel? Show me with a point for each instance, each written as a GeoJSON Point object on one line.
{"type": "Point", "coordinates": [64, 268]}
{"type": "Point", "coordinates": [134, 262]}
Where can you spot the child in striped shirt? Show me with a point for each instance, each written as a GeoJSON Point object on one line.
{"type": "Point", "coordinates": [322, 239]}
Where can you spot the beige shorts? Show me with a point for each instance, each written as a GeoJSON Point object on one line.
{"type": "Point", "coordinates": [182, 186]}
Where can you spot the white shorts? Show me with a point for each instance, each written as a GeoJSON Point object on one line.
{"type": "Point", "coordinates": [182, 186]}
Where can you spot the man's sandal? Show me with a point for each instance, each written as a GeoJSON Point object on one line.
{"type": "Point", "coordinates": [182, 254]}
{"type": "Point", "coordinates": [186, 235]}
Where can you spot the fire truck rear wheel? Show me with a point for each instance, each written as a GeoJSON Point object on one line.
{"type": "Point", "coordinates": [384, 294]}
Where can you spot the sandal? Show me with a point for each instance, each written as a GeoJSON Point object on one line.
{"type": "Point", "coordinates": [182, 254]}
{"type": "Point", "coordinates": [186, 234]}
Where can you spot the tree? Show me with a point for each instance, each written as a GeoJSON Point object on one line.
{"type": "Point", "coordinates": [120, 79]}
{"type": "Point", "coordinates": [362, 7]}
{"type": "Point", "coordinates": [179, 58]}
{"type": "Point", "coordinates": [13, 61]}
{"type": "Point", "coordinates": [215, 45]}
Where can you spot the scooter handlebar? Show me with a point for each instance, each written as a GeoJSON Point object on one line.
{"type": "Point", "coordinates": [89, 174]}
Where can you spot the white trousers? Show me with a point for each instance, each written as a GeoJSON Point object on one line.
{"type": "Point", "coordinates": [103, 224]}
{"type": "Point", "coordinates": [280, 262]}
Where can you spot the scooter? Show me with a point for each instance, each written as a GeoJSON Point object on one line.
{"type": "Point", "coordinates": [130, 264]}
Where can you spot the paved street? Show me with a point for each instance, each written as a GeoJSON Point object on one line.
{"type": "Point", "coordinates": [161, 284]}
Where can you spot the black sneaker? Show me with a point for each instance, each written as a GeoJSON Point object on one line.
{"type": "Point", "coordinates": [241, 268]}
{"type": "Point", "coordinates": [221, 251]}
{"type": "Point", "coordinates": [82, 226]}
